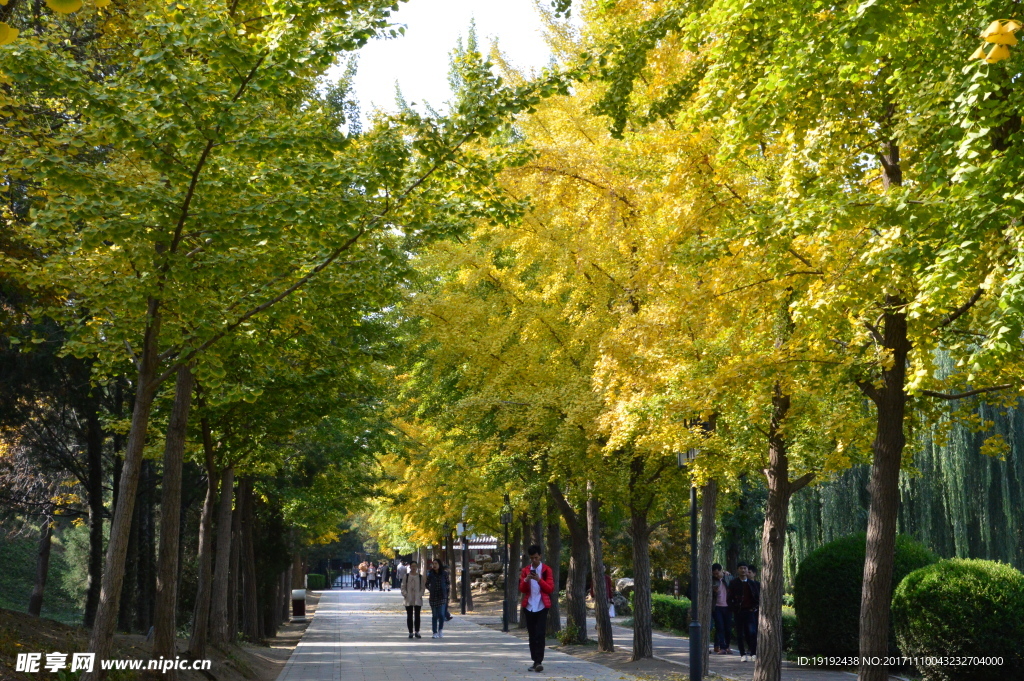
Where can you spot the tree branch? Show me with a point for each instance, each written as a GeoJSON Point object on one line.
{"type": "Point", "coordinates": [969, 393]}
{"type": "Point", "coordinates": [960, 311]}
{"type": "Point", "coordinates": [801, 482]}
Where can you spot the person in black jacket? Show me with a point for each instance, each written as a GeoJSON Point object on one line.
{"type": "Point", "coordinates": [745, 599]}
{"type": "Point", "coordinates": [439, 586]}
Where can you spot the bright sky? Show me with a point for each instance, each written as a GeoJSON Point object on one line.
{"type": "Point", "coordinates": [418, 61]}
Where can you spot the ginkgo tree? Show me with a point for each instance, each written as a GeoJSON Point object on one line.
{"type": "Point", "coordinates": [906, 261]}
{"type": "Point", "coordinates": [207, 181]}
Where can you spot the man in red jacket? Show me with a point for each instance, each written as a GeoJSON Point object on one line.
{"type": "Point", "coordinates": [536, 583]}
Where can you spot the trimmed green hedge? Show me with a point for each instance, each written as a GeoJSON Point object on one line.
{"type": "Point", "coordinates": [961, 607]}
{"type": "Point", "coordinates": [827, 590]}
{"type": "Point", "coordinates": [789, 632]}
{"type": "Point", "coordinates": [315, 582]}
{"type": "Point", "coordinates": [669, 613]}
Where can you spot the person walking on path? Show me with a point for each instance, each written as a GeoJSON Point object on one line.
{"type": "Point", "coordinates": [720, 580]}
{"type": "Point", "coordinates": [388, 575]}
{"type": "Point", "coordinates": [371, 576]}
{"type": "Point", "coordinates": [745, 599]}
{"type": "Point", "coordinates": [536, 583]}
{"type": "Point", "coordinates": [400, 572]}
{"type": "Point", "coordinates": [413, 587]}
{"type": "Point", "coordinates": [438, 585]}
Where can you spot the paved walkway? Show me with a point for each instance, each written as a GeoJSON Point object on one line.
{"type": "Point", "coordinates": [362, 636]}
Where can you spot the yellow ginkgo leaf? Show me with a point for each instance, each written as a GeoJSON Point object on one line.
{"type": "Point", "coordinates": [998, 53]}
{"type": "Point", "coordinates": [7, 34]}
{"type": "Point", "coordinates": [979, 53]}
{"type": "Point", "coordinates": [994, 29]}
{"type": "Point", "coordinates": [1012, 26]}
{"type": "Point", "coordinates": [64, 6]}
{"type": "Point", "coordinates": [100, 4]}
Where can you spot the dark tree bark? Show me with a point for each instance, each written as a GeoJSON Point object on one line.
{"type": "Point", "coordinates": [706, 555]}
{"type": "Point", "coordinates": [165, 616]}
{"type": "Point", "coordinates": [286, 595]}
{"type": "Point", "coordinates": [102, 637]}
{"type": "Point", "coordinates": [201, 614]}
{"type": "Point", "coordinates": [222, 561]}
{"type": "Point", "coordinates": [525, 560]}
{"type": "Point", "coordinates": [35, 600]}
{"type": "Point", "coordinates": [252, 624]}
{"type": "Point", "coordinates": [130, 585]}
{"type": "Point", "coordinates": [605, 644]}
{"type": "Point", "coordinates": [449, 552]}
{"type": "Point", "coordinates": [233, 578]}
{"type": "Point", "coordinates": [147, 550]}
{"type": "Point", "coordinates": [553, 551]}
{"type": "Point", "coordinates": [94, 451]}
{"type": "Point", "coordinates": [640, 502]}
{"type": "Point", "coordinates": [890, 399]}
{"type": "Point", "coordinates": [773, 540]}
{"type": "Point", "coordinates": [579, 564]}
{"type": "Point", "coordinates": [515, 564]}
{"type": "Point", "coordinates": [643, 636]}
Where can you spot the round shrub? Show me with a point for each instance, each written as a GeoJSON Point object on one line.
{"type": "Point", "coordinates": [827, 589]}
{"type": "Point", "coordinates": [960, 608]}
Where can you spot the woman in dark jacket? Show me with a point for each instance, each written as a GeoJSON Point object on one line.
{"type": "Point", "coordinates": [438, 585]}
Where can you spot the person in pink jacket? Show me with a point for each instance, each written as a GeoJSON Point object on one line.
{"type": "Point", "coordinates": [536, 583]}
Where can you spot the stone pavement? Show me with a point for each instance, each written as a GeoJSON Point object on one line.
{"type": "Point", "coordinates": [362, 636]}
{"type": "Point", "coordinates": [677, 649]}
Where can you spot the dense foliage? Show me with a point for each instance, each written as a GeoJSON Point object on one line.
{"type": "Point", "coordinates": [827, 591]}
{"type": "Point", "coordinates": [962, 607]}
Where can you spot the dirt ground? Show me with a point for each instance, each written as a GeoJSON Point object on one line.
{"type": "Point", "coordinates": [20, 633]}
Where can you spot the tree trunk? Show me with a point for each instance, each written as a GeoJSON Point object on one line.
{"type": "Point", "coordinates": [525, 560]}
{"type": "Point", "coordinates": [222, 561]}
{"type": "Point", "coordinates": [164, 619]}
{"type": "Point", "coordinates": [102, 637]}
{"type": "Point", "coordinates": [251, 622]}
{"type": "Point", "coordinates": [890, 400]}
{"type": "Point", "coordinates": [286, 595]}
{"type": "Point", "coordinates": [554, 553]}
{"type": "Point", "coordinates": [449, 556]}
{"type": "Point", "coordinates": [94, 449]}
{"type": "Point", "coordinates": [233, 578]}
{"type": "Point", "coordinates": [605, 644]}
{"type": "Point", "coordinates": [35, 600]}
{"type": "Point", "coordinates": [576, 584]}
{"type": "Point", "coordinates": [147, 550]}
{"type": "Point", "coordinates": [773, 541]}
{"type": "Point", "coordinates": [201, 614]}
{"type": "Point", "coordinates": [706, 555]}
{"type": "Point", "coordinates": [512, 596]}
{"type": "Point", "coordinates": [643, 639]}
{"type": "Point", "coordinates": [129, 588]}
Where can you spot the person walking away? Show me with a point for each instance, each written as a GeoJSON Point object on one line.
{"type": "Point", "coordinates": [400, 572]}
{"type": "Point", "coordinates": [720, 612]}
{"type": "Point", "coordinates": [745, 599]}
{"type": "Point", "coordinates": [536, 583]}
{"type": "Point", "coordinates": [371, 576]}
{"type": "Point", "coordinates": [413, 587]}
{"type": "Point", "coordinates": [387, 575]}
{"type": "Point", "coordinates": [437, 584]}
{"type": "Point", "coordinates": [362, 576]}
{"type": "Point", "coordinates": [609, 589]}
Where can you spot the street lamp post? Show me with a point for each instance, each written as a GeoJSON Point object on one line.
{"type": "Point", "coordinates": [696, 654]}
{"type": "Point", "coordinates": [506, 520]}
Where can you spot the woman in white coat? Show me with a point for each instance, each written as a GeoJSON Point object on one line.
{"type": "Point", "coordinates": [413, 588]}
